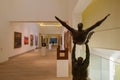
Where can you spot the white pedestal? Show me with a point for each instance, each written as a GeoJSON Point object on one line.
{"type": "Point", "coordinates": [62, 68]}
{"type": "Point", "coordinates": [50, 46]}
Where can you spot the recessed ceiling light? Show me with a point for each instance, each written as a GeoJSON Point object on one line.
{"type": "Point", "coordinates": [57, 24]}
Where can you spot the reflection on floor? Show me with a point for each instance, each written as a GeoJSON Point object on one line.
{"type": "Point", "coordinates": [31, 66]}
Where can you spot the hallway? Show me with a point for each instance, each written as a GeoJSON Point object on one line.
{"type": "Point", "coordinates": [30, 66]}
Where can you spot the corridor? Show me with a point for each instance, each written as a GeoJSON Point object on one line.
{"type": "Point", "coordinates": [31, 66]}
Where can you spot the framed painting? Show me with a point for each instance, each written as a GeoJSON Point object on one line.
{"type": "Point", "coordinates": [17, 39]}
{"type": "Point", "coordinates": [31, 39]}
{"type": "Point", "coordinates": [36, 40]}
{"type": "Point", "coordinates": [26, 40]}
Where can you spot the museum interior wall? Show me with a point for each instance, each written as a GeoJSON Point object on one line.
{"type": "Point", "coordinates": [29, 37]}
{"type": "Point", "coordinates": [27, 10]}
{"type": "Point", "coordinates": [106, 35]}
{"type": "Point", "coordinates": [16, 10]}
{"type": "Point", "coordinates": [4, 29]}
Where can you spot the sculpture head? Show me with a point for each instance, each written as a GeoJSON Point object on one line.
{"type": "Point", "coordinates": [80, 60]}
{"type": "Point", "coordinates": [80, 26]}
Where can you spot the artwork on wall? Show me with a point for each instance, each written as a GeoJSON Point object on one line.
{"type": "Point", "coordinates": [53, 40]}
{"type": "Point", "coordinates": [36, 40]}
{"type": "Point", "coordinates": [26, 40]}
{"type": "Point", "coordinates": [31, 39]}
{"type": "Point", "coordinates": [17, 39]}
{"type": "Point", "coordinates": [67, 40]}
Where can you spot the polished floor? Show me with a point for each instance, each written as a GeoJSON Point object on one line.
{"type": "Point", "coordinates": [32, 65]}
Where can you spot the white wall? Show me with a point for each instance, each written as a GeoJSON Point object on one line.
{"type": "Point", "coordinates": [4, 28]}
{"type": "Point", "coordinates": [108, 37]}
{"type": "Point", "coordinates": [26, 10]}
{"type": "Point", "coordinates": [26, 29]}
{"type": "Point", "coordinates": [50, 30]}
{"type": "Point", "coordinates": [72, 5]}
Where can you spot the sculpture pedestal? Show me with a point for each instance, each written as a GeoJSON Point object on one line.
{"type": "Point", "coordinates": [62, 68]}
{"type": "Point", "coordinates": [62, 62]}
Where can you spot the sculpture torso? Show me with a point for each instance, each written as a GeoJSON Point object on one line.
{"type": "Point", "coordinates": [79, 37]}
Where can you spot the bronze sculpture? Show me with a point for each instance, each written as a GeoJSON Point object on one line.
{"type": "Point", "coordinates": [79, 66]}
{"type": "Point", "coordinates": [79, 36]}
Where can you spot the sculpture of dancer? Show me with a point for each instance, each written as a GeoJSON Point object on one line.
{"type": "Point", "coordinates": [79, 36]}
{"type": "Point", "coordinates": [79, 67]}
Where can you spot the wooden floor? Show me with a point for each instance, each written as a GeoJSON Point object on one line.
{"type": "Point", "coordinates": [31, 66]}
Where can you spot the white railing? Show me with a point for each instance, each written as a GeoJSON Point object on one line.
{"type": "Point", "coordinates": [104, 64]}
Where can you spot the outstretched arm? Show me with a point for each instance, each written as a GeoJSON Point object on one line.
{"type": "Point", "coordinates": [73, 53]}
{"type": "Point", "coordinates": [97, 24]}
{"type": "Point", "coordinates": [86, 61]}
{"type": "Point", "coordinates": [64, 24]}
